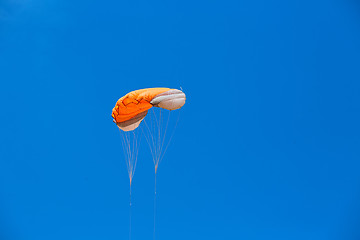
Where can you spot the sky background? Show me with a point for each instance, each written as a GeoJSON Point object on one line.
{"type": "Point", "coordinates": [267, 145]}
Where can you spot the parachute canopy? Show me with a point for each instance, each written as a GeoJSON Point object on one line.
{"type": "Point", "coordinates": [131, 109]}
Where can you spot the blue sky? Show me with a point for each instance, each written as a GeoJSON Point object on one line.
{"type": "Point", "coordinates": [267, 146]}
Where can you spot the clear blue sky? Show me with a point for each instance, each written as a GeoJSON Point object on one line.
{"type": "Point", "coordinates": [267, 146]}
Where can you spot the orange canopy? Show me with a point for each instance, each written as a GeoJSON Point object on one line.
{"type": "Point", "coordinates": [135, 103]}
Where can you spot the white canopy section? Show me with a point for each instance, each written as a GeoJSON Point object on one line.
{"type": "Point", "coordinates": [171, 100]}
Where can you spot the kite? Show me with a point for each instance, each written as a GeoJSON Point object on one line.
{"type": "Point", "coordinates": [130, 110]}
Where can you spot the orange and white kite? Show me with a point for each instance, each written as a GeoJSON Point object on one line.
{"type": "Point", "coordinates": [131, 109]}
{"type": "Point", "coordinates": [128, 113]}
